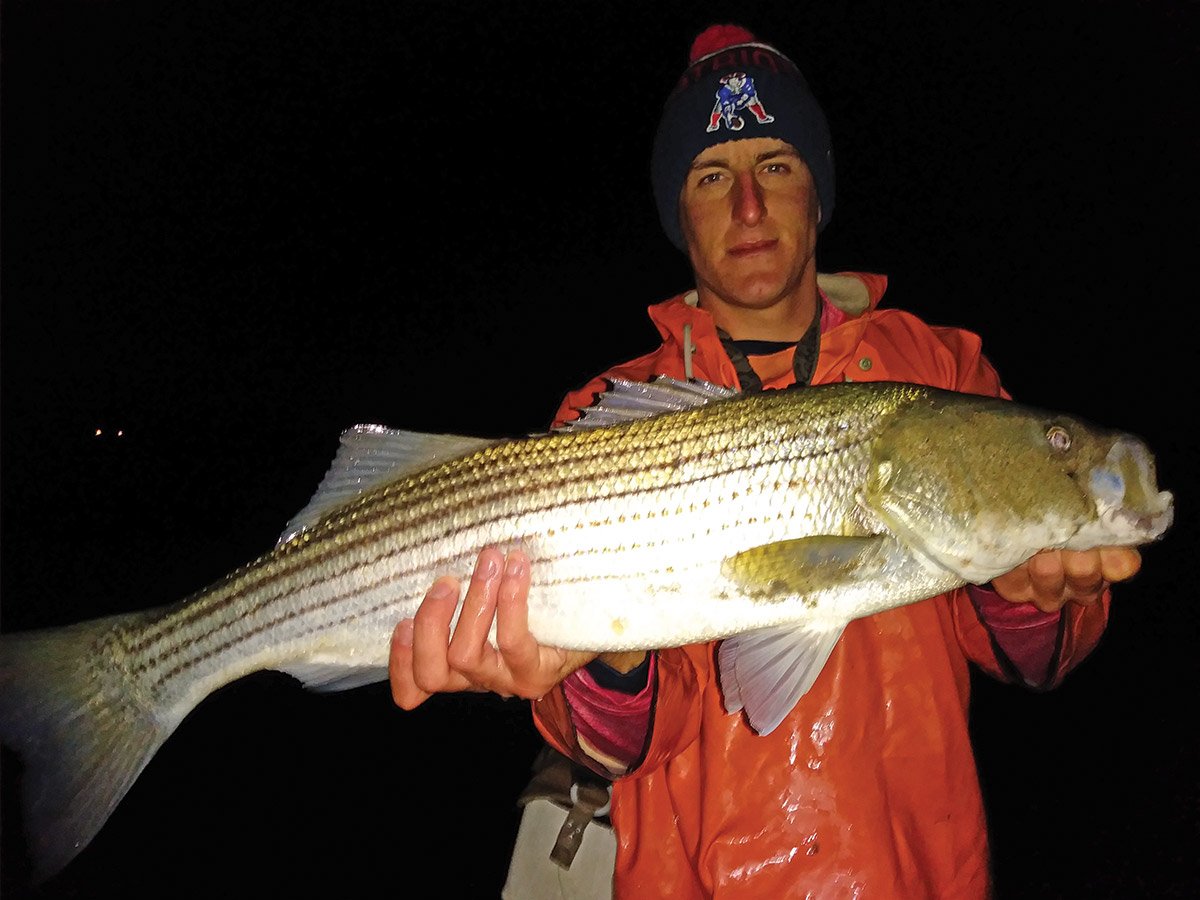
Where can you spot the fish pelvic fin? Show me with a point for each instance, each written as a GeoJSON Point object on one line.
{"type": "Point", "coordinates": [766, 672]}
{"type": "Point", "coordinates": [81, 737]}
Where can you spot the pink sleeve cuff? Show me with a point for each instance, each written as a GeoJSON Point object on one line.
{"type": "Point", "coordinates": [1027, 636]}
{"type": "Point", "coordinates": [610, 725]}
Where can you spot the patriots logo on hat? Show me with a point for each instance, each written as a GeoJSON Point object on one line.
{"type": "Point", "coordinates": [737, 92]}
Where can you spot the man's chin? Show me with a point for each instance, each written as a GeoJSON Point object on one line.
{"type": "Point", "coordinates": [755, 292]}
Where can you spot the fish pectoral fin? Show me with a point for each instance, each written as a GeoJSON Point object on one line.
{"type": "Point", "coordinates": [766, 672]}
{"type": "Point", "coordinates": [327, 676]}
{"type": "Point", "coordinates": [803, 566]}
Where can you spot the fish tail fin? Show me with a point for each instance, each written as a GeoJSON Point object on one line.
{"type": "Point", "coordinates": [69, 711]}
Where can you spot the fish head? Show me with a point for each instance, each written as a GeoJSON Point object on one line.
{"type": "Point", "coordinates": [978, 485]}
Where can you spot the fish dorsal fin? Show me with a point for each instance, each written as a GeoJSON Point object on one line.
{"type": "Point", "coordinates": [628, 401]}
{"type": "Point", "coordinates": [370, 456]}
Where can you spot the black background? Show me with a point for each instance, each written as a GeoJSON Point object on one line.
{"type": "Point", "coordinates": [232, 229]}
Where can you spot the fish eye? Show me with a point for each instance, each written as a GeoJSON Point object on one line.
{"type": "Point", "coordinates": [1058, 438]}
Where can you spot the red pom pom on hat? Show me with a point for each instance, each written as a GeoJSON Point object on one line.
{"type": "Point", "coordinates": [718, 37]}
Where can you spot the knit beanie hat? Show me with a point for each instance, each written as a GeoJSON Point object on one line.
{"type": "Point", "coordinates": [736, 87]}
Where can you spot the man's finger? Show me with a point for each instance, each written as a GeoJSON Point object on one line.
{"type": "Point", "coordinates": [470, 652]}
{"type": "Point", "coordinates": [1014, 586]}
{"type": "Point", "coordinates": [518, 648]}
{"type": "Point", "coordinates": [431, 637]}
{"type": "Point", "coordinates": [1120, 563]}
{"type": "Point", "coordinates": [1081, 574]}
{"type": "Point", "coordinates": [405, 692]}
{"type": "Point", "coordinates": [1045, 568]}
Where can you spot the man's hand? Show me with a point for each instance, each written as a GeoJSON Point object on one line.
{"type": "Point", "coordinates": [426, 659]}
{"type": "Point", "coordinates": [1051, 578]}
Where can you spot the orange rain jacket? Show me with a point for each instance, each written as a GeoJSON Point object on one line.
{"type": "Point", "coordinates": [868, 788]}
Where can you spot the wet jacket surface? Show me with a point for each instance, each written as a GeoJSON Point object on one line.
{"type": "Point", "coordinates": [868, 788]}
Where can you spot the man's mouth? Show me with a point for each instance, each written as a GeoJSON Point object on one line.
{"type": "Point", "coordinates": [749, 248]}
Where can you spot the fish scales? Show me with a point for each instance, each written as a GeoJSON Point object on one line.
{"type": "Point", "coordinates": [405, 520]}
{"type": "Point", "coordinates": [557, 486]}
{"type": "Point", "coordinates": [367, 545]}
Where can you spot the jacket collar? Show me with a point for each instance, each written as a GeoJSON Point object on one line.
{"type": "Point", "coordinates": [689, 334]}
{"type": "Point", "coordinates": [853, 293]}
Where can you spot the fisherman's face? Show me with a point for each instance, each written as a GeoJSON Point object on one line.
{"type": "Point", "coordinates": [749, 211]}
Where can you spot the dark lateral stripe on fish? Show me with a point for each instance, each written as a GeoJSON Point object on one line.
{"type": "Point", "coordinates": [183, 666]}
{"type": "Point", "coordinates": [425, 490]}
{"type": "Point", "coordinates": [387, 504]}
{"type": "Point", "coordinates": [378, 510]}
{"type": "Point", "coordinates": [376, 537]}
{"type": "Point", "coordinates": [367, 612]}
{"type": "Point", "coordinates": [446, 561]}
{"type": "Point", "coordinates": [382, 506]}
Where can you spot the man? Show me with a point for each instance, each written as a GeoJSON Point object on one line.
{"type": "Point", "coordinates": [868, 786]}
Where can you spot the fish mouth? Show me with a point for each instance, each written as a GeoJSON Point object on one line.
{"type": "Point", "coordinates": [1130, 507]}
{"type": "Point", "coordinates": [1150, 526]}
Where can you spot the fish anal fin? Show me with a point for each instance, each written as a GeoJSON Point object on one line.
{"type": "Point", "coordinates": [766, 672]}
{"type": "Point", "coordinates": [325, 676]}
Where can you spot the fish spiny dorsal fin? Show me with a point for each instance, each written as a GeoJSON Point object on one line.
{"type": "Point", "coordinates": [370, 456]}
{"type": "Point", "coordinates": [628, 401]}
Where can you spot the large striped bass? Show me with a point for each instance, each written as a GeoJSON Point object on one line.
{"type": "Point", "coordinates": [669, 514]}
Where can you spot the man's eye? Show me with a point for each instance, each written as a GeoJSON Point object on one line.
{"type": "Point", "coordinates": [777, 168]}
{"type": "Point", "coordinates": [710, 178]}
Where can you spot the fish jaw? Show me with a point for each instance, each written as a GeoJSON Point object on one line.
{"type": "Point", "coordinates": [1130, 509]}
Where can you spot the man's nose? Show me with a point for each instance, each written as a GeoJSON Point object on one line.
{"type": "Point", "coordinates": [748, 204]}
